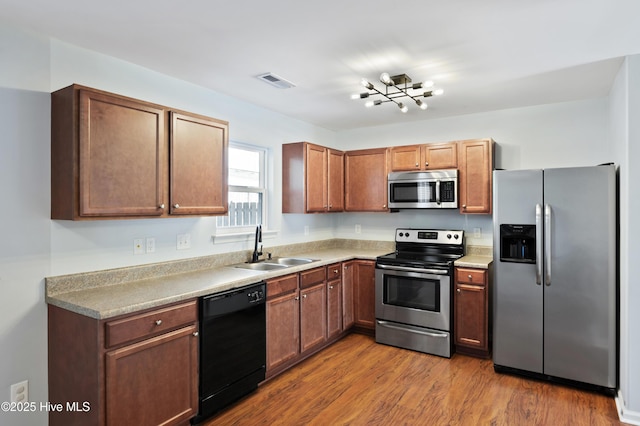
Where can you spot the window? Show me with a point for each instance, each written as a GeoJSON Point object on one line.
{"type": "Point", "coordinates": [247, 188]}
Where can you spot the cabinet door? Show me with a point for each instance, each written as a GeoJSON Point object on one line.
{"type": "Point", "coordinates": [476, 176]}
{"type": "Point", "coordinates": [122, 156]}
{"type": "Point", "coordinates": [440, 155]}
{"type": "Point", "coordinates": [405, 158]}
{"type": "Point", "coordinates": [335, 180]}
{"type": "Point", "coordinates": [313, 316]}
{"type": "Point", "coordinates": [283, 329]}
{"type": "Point", "coordinates": [366, 180]}
{"type": "Point", "coordinates": [364, 294]}
{"type": "Point", "coordinates": [348, 318]}
{"type": "Point", "coordinates": [334, 308]}
{"type": "Point", "coordinates": [316, 178]}
{"type": "Point", "coordinates": [471, 316]}
{"type": "Point", "coordinates": [154, 381]}
{"type": "Point", "coordinates": [198, 164]}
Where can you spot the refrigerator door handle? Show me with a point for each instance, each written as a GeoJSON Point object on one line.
{"type": "Point", "coordinates": [547, 244]}
{"type": "Point", "coordinates": [538, 244]}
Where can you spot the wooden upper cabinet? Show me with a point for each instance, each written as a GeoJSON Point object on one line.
{"type": "Point", "coordinates": [312, 178]}
{"type": "Point", "coordinates": [431, 156]}
{"type": "Point", "coordinates": [110, 158]}
{"type": "Point", "coordinates": [437, 156]}
{"type": "Point", "coordinates": [476, 176]}
{"type": "Point", "coordinates": [405, 158]}
{"type": "Point", "coordinates": [198, 154]}
{"type": "Point", "coordinates": [335, 180]}
{"type": "Point", "coordinates": [366, 180]}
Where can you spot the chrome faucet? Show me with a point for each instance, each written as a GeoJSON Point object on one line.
{"type": "Point", "coordinates": [256, 254]}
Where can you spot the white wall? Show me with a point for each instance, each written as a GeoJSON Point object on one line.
{"type": "Point", "coordinates": [546, 136]}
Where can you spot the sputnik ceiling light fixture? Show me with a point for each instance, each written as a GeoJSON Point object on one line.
{"type": "Point", "coordinates": [398, 86]}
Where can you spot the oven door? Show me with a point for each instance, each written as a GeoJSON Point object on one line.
{"type": "Point", "coordinates": [418, 297]}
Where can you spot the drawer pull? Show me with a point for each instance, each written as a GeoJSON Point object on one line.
{"type": "Point", "coordinates": [470, 277]}
{"type": "Point", "coordinates": [195, 334]}
{"type": "Point", "coordinates": [158, 322]}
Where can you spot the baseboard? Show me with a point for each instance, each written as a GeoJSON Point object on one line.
{"type": "Point", "coordinates": [626, 416]}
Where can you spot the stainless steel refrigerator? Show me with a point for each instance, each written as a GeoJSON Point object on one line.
{"type": "Point", "coordinates": [555, 286]}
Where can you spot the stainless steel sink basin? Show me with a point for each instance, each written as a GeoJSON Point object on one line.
{"type": "Point", "coordinates": [261, 266]}
{"type": "Point", "coordinates": [275, 263]}
{"type": "Point", "coordinates": [291, 261]}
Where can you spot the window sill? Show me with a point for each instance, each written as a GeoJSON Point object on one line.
{"type": "Point", "coordinates": [237, 237]}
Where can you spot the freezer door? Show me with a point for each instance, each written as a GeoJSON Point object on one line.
{"type": "Point", "coordinates": [580, 286]}
{"type": "Point", "coordinates": [517, 298]}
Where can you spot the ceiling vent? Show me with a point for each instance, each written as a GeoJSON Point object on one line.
{"type": "Point", "coordinates": [276, 81]}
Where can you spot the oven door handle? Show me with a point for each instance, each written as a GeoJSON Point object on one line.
{"type": "Point", "coordinates": [412, 329]}
{"type": "Point", "coordinates": [419, 270]}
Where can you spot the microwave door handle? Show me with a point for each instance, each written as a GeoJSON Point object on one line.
{"type": "Point", "coordinates": [539, 242]}
{"type": "Point", "coordinates": [438, 191]}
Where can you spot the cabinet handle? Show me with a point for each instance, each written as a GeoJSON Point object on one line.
{"type": "Point", "coordinates": [464, 206]}
{"type": "Point", "coordinates": [417, 165]}
{"type": "Point", "coordinates": [330, 287]}
{"type": "Point", "coordinates": [195, 333]}
{"type": "Point", "coordinates": [304, 295]}
{"type": "Point", "coordinates": [158, 322]}
{"type": "Point", "coordinates": [335, 271]}
{"type": "Point", "coordinates": [470, 277]}
{"type": "Point", "coordinates": [176, 206]}
{"type": "Point", "coordinates": [161, 206]}
{"type": "Point", "coordinates": [458, 290]}
{"type": "Point", "coordinates": [297, 298]}
{"type": "Point", "coordinates": [426, 164]}
{"type": "Point", "coordinates": [384, 206]}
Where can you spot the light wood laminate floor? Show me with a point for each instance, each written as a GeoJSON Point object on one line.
{"type": "Point", "coordinates": [359, 382]}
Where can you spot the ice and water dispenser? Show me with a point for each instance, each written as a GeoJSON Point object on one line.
{"type": "Point", "coordinates": [518, 243]}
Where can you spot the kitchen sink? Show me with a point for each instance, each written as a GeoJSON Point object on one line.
{"type": "Point", "coordinates": [261, 266]}
{"type": "Point", "coordinates": [291, 261]}
{"type": "Point", "coordinates": [275, 263]}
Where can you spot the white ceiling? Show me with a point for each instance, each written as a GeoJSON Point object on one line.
{"type": "Point", "coordinates": [486, 55]}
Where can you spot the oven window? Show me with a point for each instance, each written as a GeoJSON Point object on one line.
{"type": "Point", "coordinates": [409, 292]}
{"type": "Point", "coordinates": [413, 192]}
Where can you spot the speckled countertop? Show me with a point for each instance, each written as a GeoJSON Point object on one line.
{"type": "Point", "coordinates": [477, 257]}
{"type": "Point", "coordinates": [105, 294]}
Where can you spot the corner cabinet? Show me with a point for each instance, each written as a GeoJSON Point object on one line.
{"type": "Point", "coordinates": [366, 180]}
{"type": "Point", "coordinates": [134, 369]}
{"type": "Point", "coordinates": [312, 178]}
{"type": "Point", "coordinates": [117, 157]}
{"type": "Point", "coordinates": [475, 188]}
{"type": "Point", "coordinates": [471, 311]}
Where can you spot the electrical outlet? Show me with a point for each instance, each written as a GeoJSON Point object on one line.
{"type": "Point", "coordinates": [151, 245]}
{"type": "Point", "coordinates": [183, 241]}
{"type": "Point", "coordinates": [477, 232]}
{"type": "Point", "coordinates": [358, 229]}
{"type": "Point", "coordinates": [138, 246]}
{"type": "Point", "coordinates": [20, 392]}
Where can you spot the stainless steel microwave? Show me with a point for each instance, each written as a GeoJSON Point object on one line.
{"type": "Point", "coordinates": [434, 189]}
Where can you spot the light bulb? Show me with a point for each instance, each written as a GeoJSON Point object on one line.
{"type": "Point", "coordinates": [403, 107]}
{"type": "Point", "coordinates": [427, 83]}
{"type": "Point", "coordinates": [386, 78]}
{"type": "Point", "coordinates": [438, 92]}
{"type": "Point", "coordinates": [368, 104]}
{"type": "Point", "coordinates": [366, 83]}
{"type": "Point", "coordinates": [422, 105]}
{"type": "Point", "coordinates": [355, 96]}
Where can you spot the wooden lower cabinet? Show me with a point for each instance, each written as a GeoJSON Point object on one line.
{"type": "Point", "coordinates": [364, 275]}
{"type": "Point", "coordinates": [135, 369]}
{"type": "Point", "coordinates": [348, 318]}
{"type": "Point", "coordinates": [471, 311]}
{"type": "Point", "coordinates": [313, 317]}
{"type": "Point", "coordinates": [283, 325]}
{"type": "Point", "coordinates": [334, 300]}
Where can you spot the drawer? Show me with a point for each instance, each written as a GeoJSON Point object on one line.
{"type": "Point", "coordinates": [471, 276]}
{"type": "Point", "coordinates": [334, 272]}
{"type": "Point", "coordinates": [150, 323]}
{"type": "Point", "coordinates": [312, 276]}
{"type": "Point", "coordinates": [282, 285]}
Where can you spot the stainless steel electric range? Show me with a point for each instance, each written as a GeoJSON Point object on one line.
{"type": "Point", "coordinates": [414, 288]}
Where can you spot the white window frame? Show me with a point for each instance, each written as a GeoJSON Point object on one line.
{"type": "Point", "coordinates": [240, 233]}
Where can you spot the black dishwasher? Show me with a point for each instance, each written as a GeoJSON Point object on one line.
{"type": "Point", "coordinates": [232, 347]}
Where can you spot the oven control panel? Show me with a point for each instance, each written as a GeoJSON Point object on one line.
{"type": "Point", "coordinates": [429, 236]}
